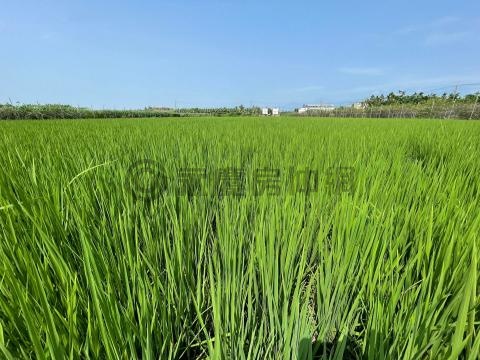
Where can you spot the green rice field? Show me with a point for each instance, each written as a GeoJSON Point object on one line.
{"type": "Point", "coordinates": [240, 238]}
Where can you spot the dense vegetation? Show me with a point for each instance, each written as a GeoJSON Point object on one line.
{"type": "Point", "coordinates": [55, 111]}
{"type": "Point", "coordinates": [420, 98]}
{"type": "Point", "coordinates": [97, 263]}
{"type": "Point", "coordinates": [222, 111]}
{"type": "Point", "coordinates": [393, 105]}
{"type": "Point", "coordinates": [403, 111]}
{"type": "Point", "coordinates": [403, 105]}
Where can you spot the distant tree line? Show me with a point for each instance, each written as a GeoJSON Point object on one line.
{"type": "Point", "coordinates": [403, 105]}
{"type": "Point", "coordinates": [54, 111]}
{"type": "Point", "coordinates": [222, 111]}
{"type": "Point", "coordinates": [57, 111]}
{"type": "Point", "coordinates": [419, 98]}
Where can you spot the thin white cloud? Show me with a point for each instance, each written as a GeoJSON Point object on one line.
{"type": "Point", "coordinates": [445, 38]}
{"type": "Point", "coordinates": [445, 20]}
{"type": "Point", "coordinates": [407, 30]}
{"type": "Point", "coordinates": [444, 30]}
{"type": "Point", "coordinates": [362, 71]}
{"type": "Point", "coordinates": [433, 25]}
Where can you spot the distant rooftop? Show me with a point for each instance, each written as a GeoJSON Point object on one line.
{"type": "Point", "coordinates": [318, 105]}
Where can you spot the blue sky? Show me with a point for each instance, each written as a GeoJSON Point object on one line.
{"type": "Point", "coordinates": [131, 54]}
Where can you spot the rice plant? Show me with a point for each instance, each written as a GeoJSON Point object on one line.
{"type": "Point", "coordinates": [376, 257]}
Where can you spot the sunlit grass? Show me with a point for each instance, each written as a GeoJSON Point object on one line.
{"type": "Point", "coordinates": [388, 269]}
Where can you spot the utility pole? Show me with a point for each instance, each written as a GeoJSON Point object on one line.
{"type": "Point", "coordinates": [453, 105]}
{"type": "Point", "coordinates": [474, 105]}
{"type": "Point", "coordinates": [454, 100]}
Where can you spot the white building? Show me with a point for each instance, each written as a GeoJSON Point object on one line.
{"type": "Point", "coordinates": [359, 105]}
{"type": "Point", "coordinates": [316, 107]}
{"type": "Point", "coordinates": [270, 111]}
